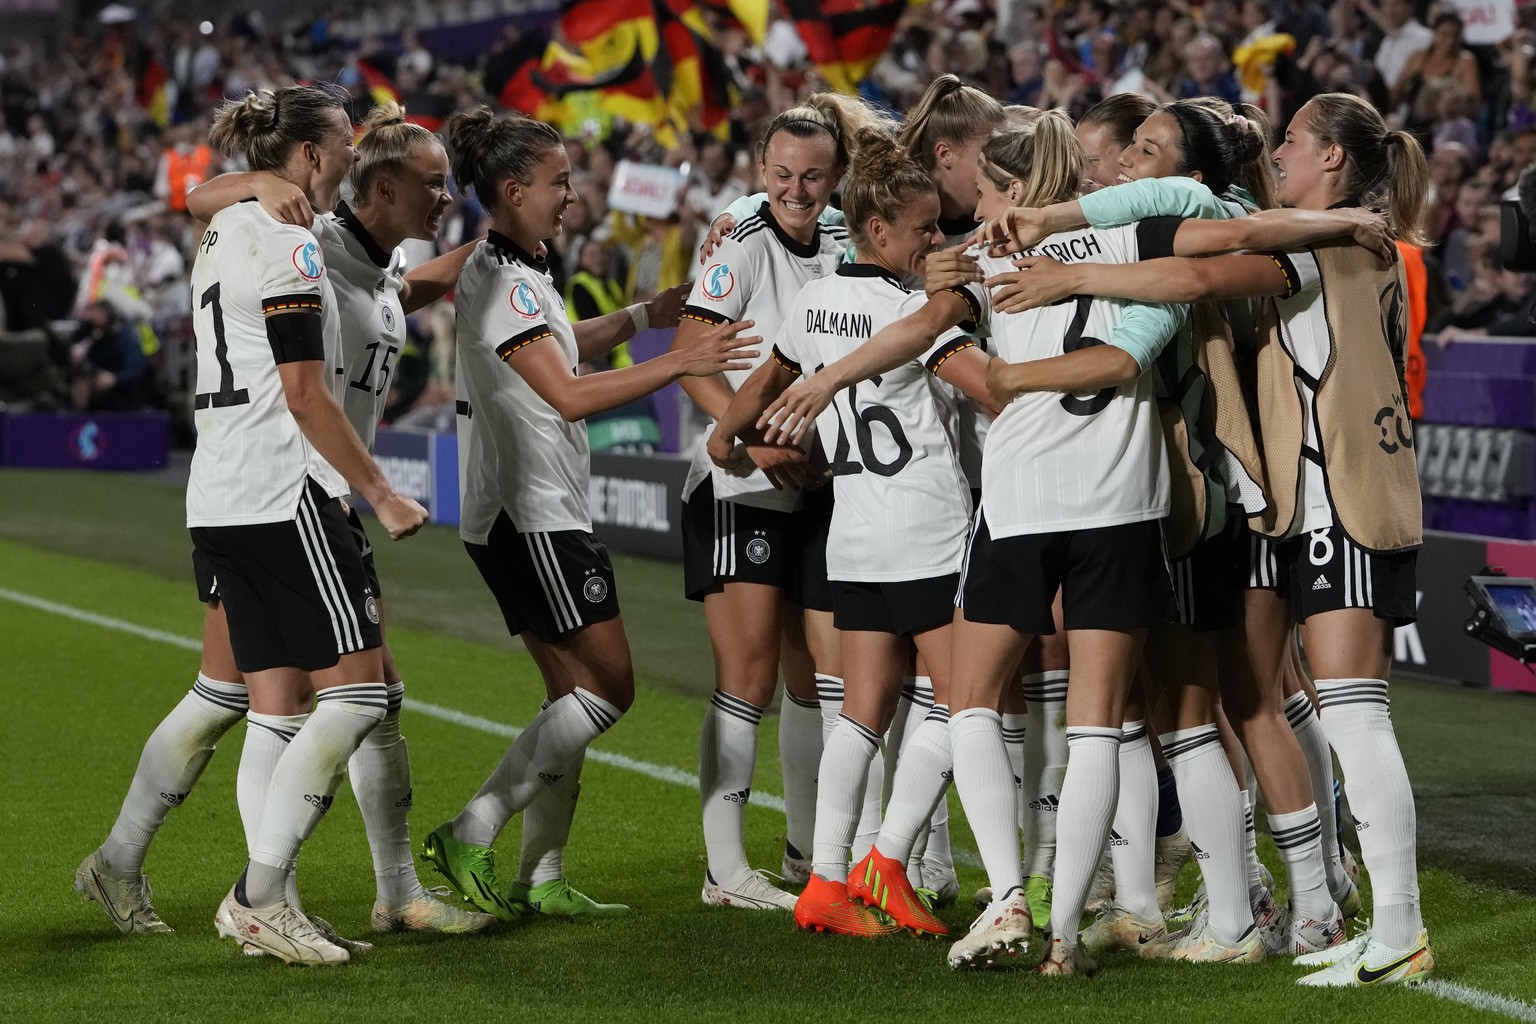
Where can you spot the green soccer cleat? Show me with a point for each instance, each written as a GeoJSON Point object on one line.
{"type": "Point", "coordinates": [1037, 889]}
{"type": "Point", "coordinates": [471, 871]}
{"type": "Point", "coordinates": [560, 899]}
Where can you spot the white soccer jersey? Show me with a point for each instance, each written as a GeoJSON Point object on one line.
{"type": "Point", "coordinates": [519, 453]}
{"type": "Point", "coordinates": [903, 505]}
{"type": "Point", "coordinates": [973, 422]}
{"type": "Point", "coordinates": [252, 461]}
{"type": "Point", "coordinates": [1058, 461]}
{"type": "Point", "coordinates": [755, 273]}
{"type": "Point", "coordinates": [1308, 339]}
{"type": "Point", "coordinates": [367, 280]}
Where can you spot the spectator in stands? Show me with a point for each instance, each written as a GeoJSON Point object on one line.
{"type": "Point", "coordinates": [1456, 251]}
{"type": "Point", "coordinates": [715, 183]}
{"type": "Point", "coordinates": [1502, 303]}
{"type": "Point", "coordinates": [1207, 71]}
{"type": "Point", "coordinates": [1449, 165]}
{"type": "Point", "coordinates": [108, 361]}
{"type": "Point", "coordinates": [1446, 61]}
{"type": "Point", "coordinates": [1402, 36]}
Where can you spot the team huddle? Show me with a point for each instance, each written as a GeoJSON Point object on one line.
{"type": "Point", "coordinates": [1033, 466]}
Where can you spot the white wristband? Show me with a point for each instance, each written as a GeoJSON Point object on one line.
{"type": "Point", "coordinates": [640, 315]}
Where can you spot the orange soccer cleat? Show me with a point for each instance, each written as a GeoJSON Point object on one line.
{"type": "Point", "coordinates": [880, 882]}
{"type": "Point", "coordinates": [825, 907]}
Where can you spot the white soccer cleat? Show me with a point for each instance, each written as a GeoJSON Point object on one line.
{"type": "Point", "coordinates": [1000, 934]}
{"type": "Point", "coordinates": [279, 931]}
{"type": "Point", "coordinates": [1350, 950]}
{"type": "Point", "coordinates": [1117, 929]}
{"type": "Point", "coordinates": [1273, 922]}
{"type": "Point", "coordinates": [430, 912]}
{"type": "Point", "coordinates": [794, 870]}
{"type": "Point", "coordinates": [1197, 945]}
{"type": "Point", "coordinates": [1173, 852]}
{"type": "Point", "coordinates": [940, 879]}
{"type": "Point", "coordinates": [1101, 891]}
{"type": "Point", "coordinates": [754, 892]}
{"type": "Point", "coordinates": [1378, 964]}
{"type": "Point", "coordinates": [1311, 936]}
{"type": "Point", "coordinates": [1191, 916]}
{"type": "Point", "coordinates": [126, 900]}
{"type": "Point", "coordinates": [1062, 960]}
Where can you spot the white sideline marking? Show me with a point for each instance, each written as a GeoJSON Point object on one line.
{"type": "Point", "coordinates": [1480, 1000]}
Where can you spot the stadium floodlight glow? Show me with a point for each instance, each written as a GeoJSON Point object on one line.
{"type": "Point", "coordinates": [206, 28]}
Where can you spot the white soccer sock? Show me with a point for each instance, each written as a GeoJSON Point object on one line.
{"type": "Point", "coordinates": [727, 755]}
{"type": "Point", "coordinates": [174, 756]}
{"type": "Point", "coordinates": [922, 779]}
{"type": "Point", "coordinates": [829, 701]}
{"type": "Point", "coordinates": [800, 742]}
{"type": "Point", "coordinates": [380, 771]}
{"type": "Point", "coordinates": [935, 849]}
{"type": "Point", "coordinates": [266, 738]}
{"type": "Point", "coordinates": [1045, 766]}
{"type": "Point", "coordinates": [1251, 849]}
{"type": "Point", "coordinates": [538, 759]}
{"type": "Point", "coordinates": [905, 717]}
{"type": "Point", "coordinates": [305, 782]}
{"type": "Point", "coordinates": [1132, 846]}
{"type": "Point", "coordinates": [1015, 729]}
{"type": "Point", "coordinates": [845, 763]}
{"type": "Point", "coordinates": [1298, 837]}
{"type": "Point", "coordinates": [547, 828]}
{"type": "Point", "coordinates": [1088, 795]}
{"type": "Point", "coordinates": [1213, 817]}
{"type": "Point", "coordinates": [1358, 719]}
{"type": "Point", "coordinates": [871, 807]}
{"type": "Point", "coordinates": [1314, 746]}
{"type": "Point", "coordinates": [985, 784]}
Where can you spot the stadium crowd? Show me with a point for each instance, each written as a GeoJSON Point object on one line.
{"type": "Point", "coordinates": [96, 151]}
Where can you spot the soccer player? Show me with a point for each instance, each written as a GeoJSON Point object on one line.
{"type": "Point", "coordinates": [524, 476]}
{"type": "Point", "coordinates": [1344, 498]}
{"type": "Point", "coordinates": [400, 191]}
{"type": "Point", "coordinates": [898, 525]}
{"type": "Point", "coordinates": [743, 538]}
{"type": "Point", "coordinates": [275, 456]}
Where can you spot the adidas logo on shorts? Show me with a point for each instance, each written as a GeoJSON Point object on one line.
{"type": "Point", "coordinates": [1321, 583]}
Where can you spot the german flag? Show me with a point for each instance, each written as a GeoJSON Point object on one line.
{"type": "Point", "coordinates": [153, 93]}
{"type": "Point", "coordinates": [380, 85]}
{"type": "Point", "coordinates": [845, 37]}
{"type": "Point", "coordinates": [751, 15]}
{"type": "Point", "coordinates": [690, 70]}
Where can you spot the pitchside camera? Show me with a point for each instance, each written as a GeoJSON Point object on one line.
{"type": "Point", "coordinates": [1503, 612]}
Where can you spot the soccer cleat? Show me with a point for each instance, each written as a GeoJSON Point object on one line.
{"type": "Point", "coordinates": [1101, 891]}
{"type": "Point", "coordinates": [1173, 852]}
{"type": "Point", "coordinates": [1037, 889]}
{"type": "Point", "coordinates": [1378, 964]}
{"type": "Point", "coordinates": [825, 906]}
{"type": "Point", "coordinates": [559, 899]}
{"type": "Point", "coordinates": [1197, 945]}
{"type": "Point", "coordinates": [1191, 915]}
{"type": "Point", "coordinates": [329, 934]}
{"type": "Point", "coordinates": [1001, 933]}
{"type": "Point", "coordinates": [279, 931]}
{"type": "Point", "coordinates": [126, 900]}
{"type": "Point", "coordinates": [881, 883]}
{"type": "Point", "coordinates": [1311, 936]}
{"type": "Point", "coordinates": [470, 870]}
{"type": "Point", "coordinates": [940, 879]}
{"type": "Point", "coordinates": [1117, 930]}
{"type": "Point", "coordinates": [1273, 923]}
{"type": "Point", "coordinates": [983, 898]}
{"type": "Point", "coordinates": [754, 892]}
{"type": "Point", "coordinates": [1349, 903]}
{"type": "Point", "coordinates": [430, 912]}
{"type": "Point", "coordinates": [795, 869]}
{"type": "Point", "coordinates": [1061, 960]}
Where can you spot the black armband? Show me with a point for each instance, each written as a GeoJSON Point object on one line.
{"type": "Point", "coordinates": [1154, 236]}
{"type": "Point", "coordinates": [296, 337]}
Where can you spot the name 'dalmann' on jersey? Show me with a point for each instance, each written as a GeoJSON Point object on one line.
{"type": "Point", "coordinates": [839, 323]}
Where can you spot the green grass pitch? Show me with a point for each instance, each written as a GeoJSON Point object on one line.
{"type": "Point", "coordinates": [78, 700]}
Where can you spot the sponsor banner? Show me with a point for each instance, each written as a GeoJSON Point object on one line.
{"type": "Point", "coordinates": [1487, 21]}
{"type": "Point", "coordinates": [406, 457]}
{"type": "Point", "coordinates": [645, 189]}
{"type": "Point", "coordinates": [636, 503]}
{"type": "Point", "coordinates": [122, 440]}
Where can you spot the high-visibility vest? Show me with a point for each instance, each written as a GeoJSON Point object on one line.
{"type": "Point", "coordinates": [610, 299]}
{"type": "Point", "coordinates": [1418, 312]}
{"type": "Point", "coordinates": [184, 172]}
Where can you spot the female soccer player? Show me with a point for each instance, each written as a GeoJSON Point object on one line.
{"type": "Point", "coordinates": [743, 538]}
{"type": "Point", "coordinates": [400, 191]}
{"type": "Point", "coordinates": [525, 521]}
{"type": "Point", "coordinates": [1343, 501]}
{"type": "Point", "coordinates": [275, 456]}
{"type": "Point", "coordinates": [898, 525]}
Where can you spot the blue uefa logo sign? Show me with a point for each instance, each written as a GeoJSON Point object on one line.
{"type": "Point", "coordinates": [88, 442]}
{"type": "Point", "coordinates": [719, 281]}
{"type": "Point", "coordinates": [524, 302]}
{"type": "Point", "coordinates": [306, 260]}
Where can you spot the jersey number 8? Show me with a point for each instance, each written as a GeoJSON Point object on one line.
{"type": "Point", "coordinates": [1075, 342]}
